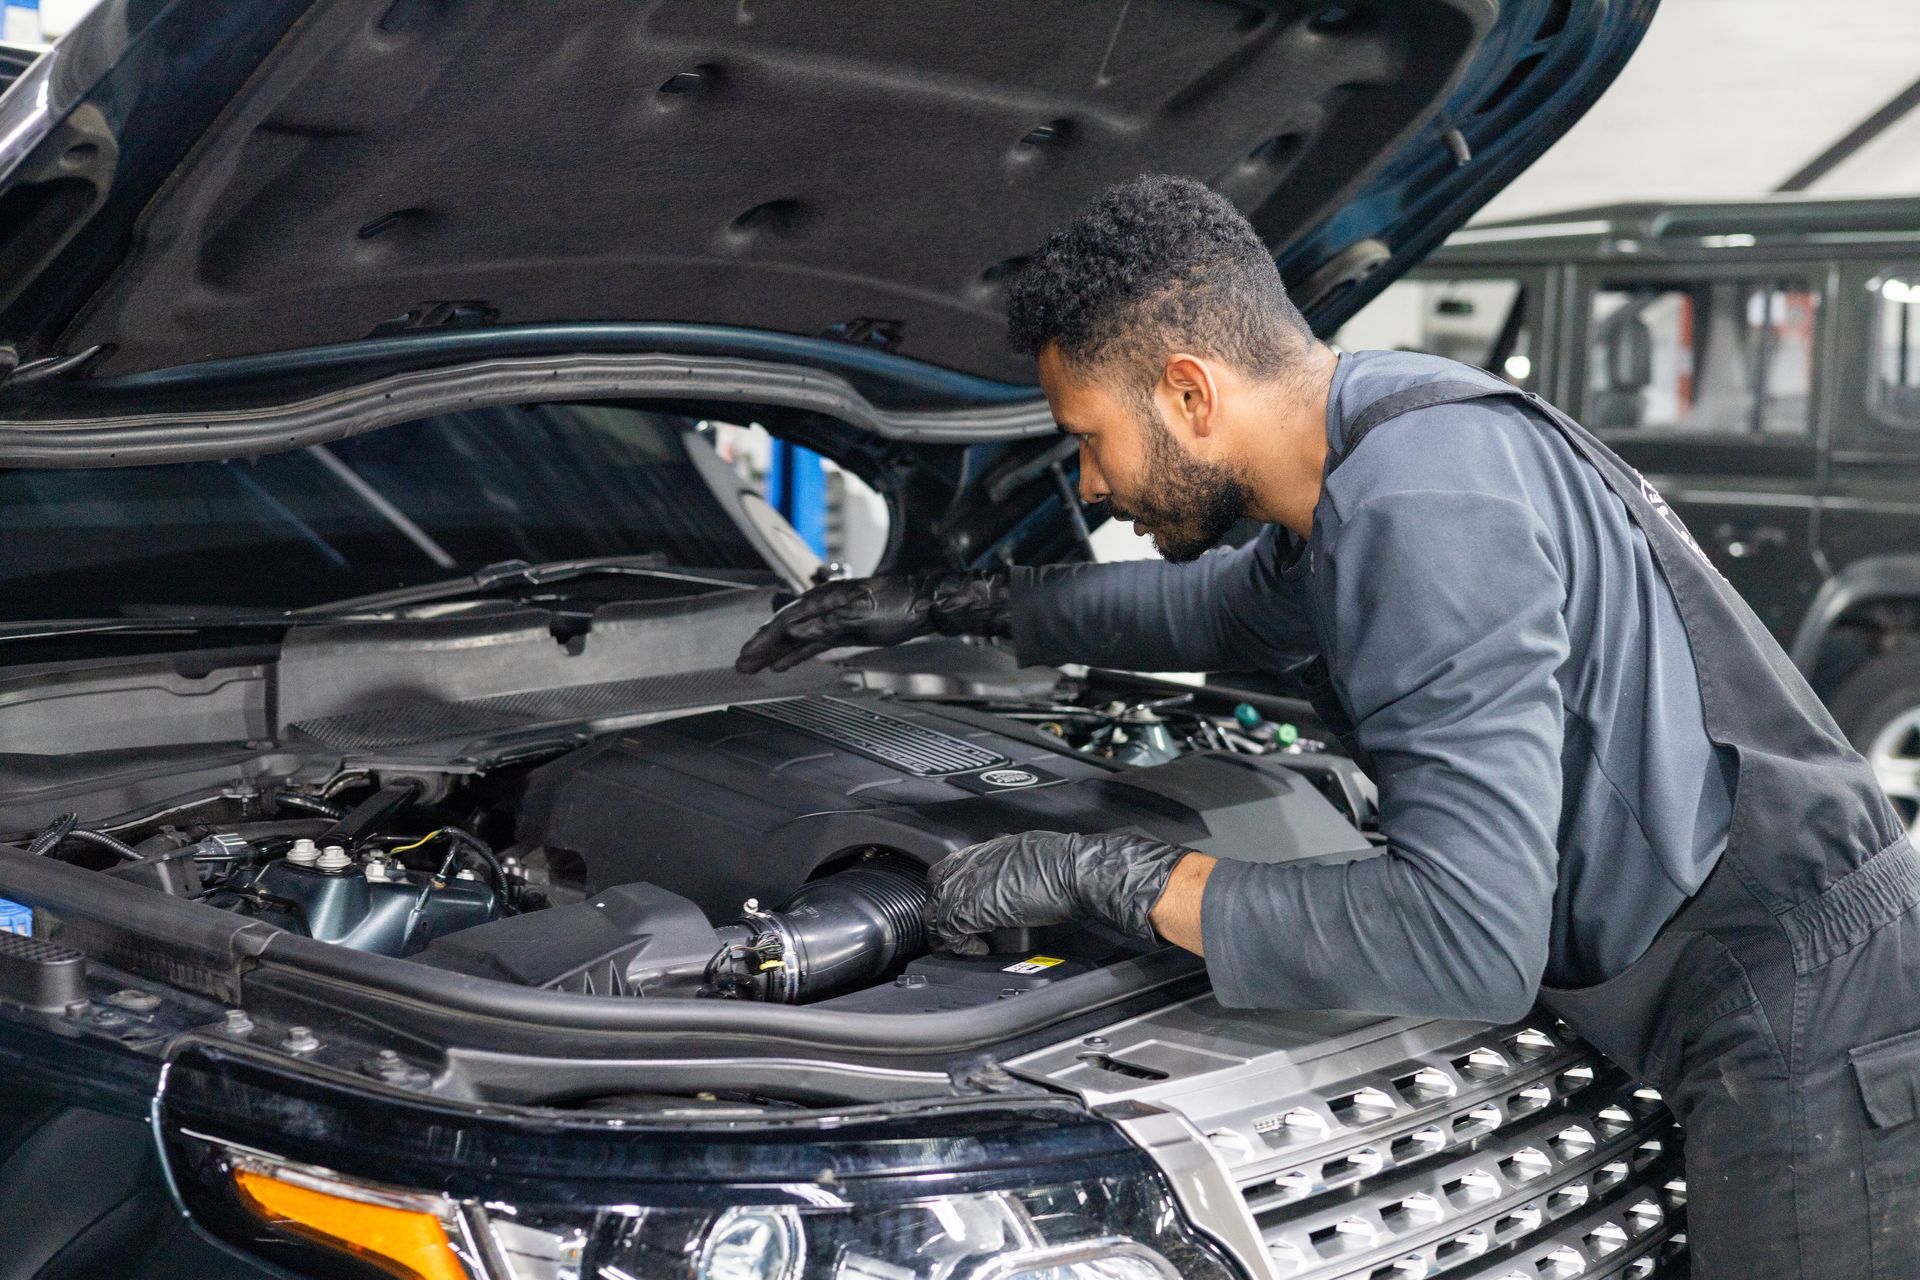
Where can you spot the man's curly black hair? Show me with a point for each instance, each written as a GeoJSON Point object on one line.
{"type": "Point", "coordinates": [1155, 265]}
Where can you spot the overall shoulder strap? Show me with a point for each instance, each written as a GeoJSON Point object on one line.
{"type": "Point", "coordinates": [1316, 678]}
{"type": "Point", "coordinates": [1424, 395]}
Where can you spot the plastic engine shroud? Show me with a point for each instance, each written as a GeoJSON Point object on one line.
{"type": "Point", "coordinates": [729, 804]}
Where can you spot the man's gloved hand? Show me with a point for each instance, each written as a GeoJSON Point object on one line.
{"type": "Point", "coordinates": [1045, 877]}
{"type": "Point", "coordinates": [876, 611]}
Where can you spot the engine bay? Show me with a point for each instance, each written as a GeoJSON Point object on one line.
{"type": "Point", "coordinates": [773, 850]}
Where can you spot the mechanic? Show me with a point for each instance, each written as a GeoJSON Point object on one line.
{"type": "Point", "coordinates": [1602, 783]}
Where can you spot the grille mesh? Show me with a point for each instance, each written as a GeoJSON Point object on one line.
{"type": "Point", "coordinates": [19, 946]}
{"type": "Point", "coordinates": [1520, 1154]}
{"type": "Point", "coordinates": [900, 743]}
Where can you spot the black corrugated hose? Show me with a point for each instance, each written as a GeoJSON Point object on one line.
{"type": "Point", "coordinates": [64, 830]}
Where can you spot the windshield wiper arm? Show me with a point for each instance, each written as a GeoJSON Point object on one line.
{"type": "Point", "coordinates": [505, 573]}
{"type": "Point", "coordinates": [515, 572]}
{"type": "Point", "coordinates": [159, 624]}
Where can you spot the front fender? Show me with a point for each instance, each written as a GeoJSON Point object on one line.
{"type": "Point", "coordinates": [1874, 578]}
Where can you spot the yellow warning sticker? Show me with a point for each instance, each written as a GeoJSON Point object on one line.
{"type": "Point", "coordinates": [1033, 964]}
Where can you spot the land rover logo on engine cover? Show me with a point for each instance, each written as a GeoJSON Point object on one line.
{"type": "Point", "coordinates": [991, 782]}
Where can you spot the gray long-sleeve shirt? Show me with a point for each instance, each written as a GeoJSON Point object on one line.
{"type": "Point", "coordinates": [1517, 669]}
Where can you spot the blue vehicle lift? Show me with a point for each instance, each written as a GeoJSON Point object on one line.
{"type": "Point", "coordinates": [797, 489]}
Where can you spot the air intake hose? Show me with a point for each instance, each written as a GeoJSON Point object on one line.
{"type": "Point", "coordinates": [835, 934]}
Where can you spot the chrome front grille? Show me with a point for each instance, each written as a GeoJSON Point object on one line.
{"type": "Point", "coordinates": [1521, 1153]}
{"type": "Point", "coordinates": [1419, 1150]}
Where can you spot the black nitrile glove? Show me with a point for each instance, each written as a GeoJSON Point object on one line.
{"type": "Point", "coordinates": [877, 611]}
{"type": "Point", "coordinates": [1045, 877]}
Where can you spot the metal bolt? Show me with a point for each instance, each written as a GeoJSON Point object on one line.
{"type": "Point", "coordinates": [390, 1068]}
{"type": "Point", "coordinates": [333, 858]}
{"type": "Point", "coordinates": [238, 1023]}
{"type": "Point", "coordinates": [300, 1040]}
{"type": "Point", "coordinates": [109, 1018]}
{"type": "Point", "coordinates": [138, 1001]}
{"type": "Point", "coordinates": [1096, 1042]}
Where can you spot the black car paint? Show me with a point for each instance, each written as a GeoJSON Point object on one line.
{"type": "Point", "coordinates": [1541, 65]}
{"type": "Point", "coordinates": [89, 1189]}
{"type": "Point", "coordinates": [142, 79]}
{"type": "Point", "coordinates": [134, 85]}
{"type": "Point", "coordinates": [14, 60]}
{"type": "Point", "coordinates": [331, 1078]}
{"type": "Point", "coordinates": [1820, 534]}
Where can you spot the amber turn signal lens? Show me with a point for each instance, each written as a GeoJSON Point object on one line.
{"type": "Point", "coordinates": [407, 1243]}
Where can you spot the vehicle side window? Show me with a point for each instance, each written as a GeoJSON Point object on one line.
{"type": "Point", "coordinates": [1895, 392]}
{"type": "Point", "coordinates": [1479, 320]}
{"type": "Point", "coordinates": [1702, 357]}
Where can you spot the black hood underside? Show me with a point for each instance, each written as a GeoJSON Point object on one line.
{"type": "Point", "coordinates": [863, 169]}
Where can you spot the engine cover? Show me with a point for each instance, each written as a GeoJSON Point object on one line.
{"type": "Point", "coordinates": [752, 800]}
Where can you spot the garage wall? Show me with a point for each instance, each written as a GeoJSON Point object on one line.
{"type": "Point", "coordinates": [1726, 98]}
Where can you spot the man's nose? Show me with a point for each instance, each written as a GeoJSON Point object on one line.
{"type": "Point", "coordinates": [1093, 485]}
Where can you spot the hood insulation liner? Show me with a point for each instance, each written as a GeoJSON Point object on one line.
{"type": "Point", "coordinates": [864, 169]}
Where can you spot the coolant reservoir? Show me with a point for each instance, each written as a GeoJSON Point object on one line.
{"type": "Point", "coordinates": [334, 900]}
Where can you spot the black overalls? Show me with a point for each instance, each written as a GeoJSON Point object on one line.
{"type": "Point", "coordinates": [1777, 1011]}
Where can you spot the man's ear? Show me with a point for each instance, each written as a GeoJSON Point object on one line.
{"type": "Point", "coordinates": [1189, 393]}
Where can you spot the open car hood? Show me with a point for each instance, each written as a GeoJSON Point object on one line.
{"type": "Point", "coordinates": [224, 207]}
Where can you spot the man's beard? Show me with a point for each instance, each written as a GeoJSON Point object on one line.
{"type": "Point", "coordinates": [1187, 504]}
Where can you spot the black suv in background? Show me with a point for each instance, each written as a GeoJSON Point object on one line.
{"type": "Point", "coordinates": [1759, 361]}
{"type": "Point", "coordinates": [14, 59]}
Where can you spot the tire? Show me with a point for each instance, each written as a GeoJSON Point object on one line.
{"type": "Point", "coordinates": [1878, 708]}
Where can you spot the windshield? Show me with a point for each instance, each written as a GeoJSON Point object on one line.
{"type": "Point", "coordinates": [406, 504]}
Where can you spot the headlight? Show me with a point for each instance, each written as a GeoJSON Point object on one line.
{"type": "Point", "coordinates": [330, 1178]}
{"type": "Point", "coordinates": [323, 1223]}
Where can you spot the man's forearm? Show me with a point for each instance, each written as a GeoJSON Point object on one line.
{"type": "Point", "coordinates": [1218, 613]}
{"type": "Point", "coordinates": [1103, 615]}
{"type": "Point", "coordinates": [1176, 917]}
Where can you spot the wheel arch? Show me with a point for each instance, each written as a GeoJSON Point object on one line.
{"type": "Point", "coordinates": [1871, 581]}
